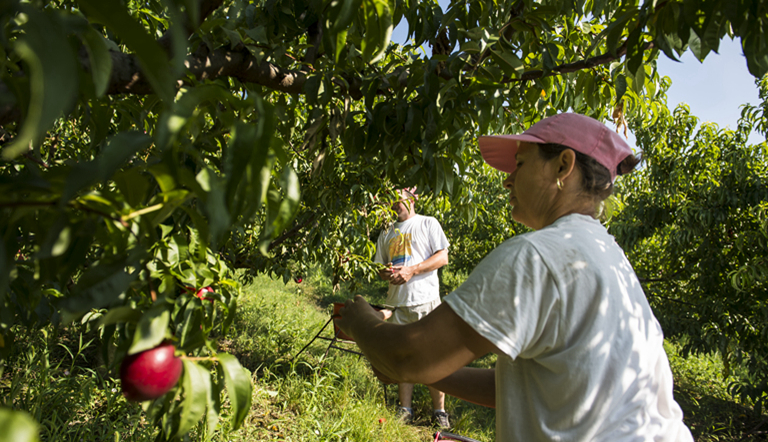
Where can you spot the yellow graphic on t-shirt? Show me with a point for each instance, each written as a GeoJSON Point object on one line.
{"type": "Point", "coordinates": [400, 249]}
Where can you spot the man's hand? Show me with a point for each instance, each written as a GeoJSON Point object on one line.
{"type": "Point", "coordinates": [387, 272]}
{"type": "Point", "coordinates": [358, 313]}
{"type": "Point", "coordinates": [401, 275]}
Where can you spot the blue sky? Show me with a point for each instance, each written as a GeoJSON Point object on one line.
{"type": "Point", "coordinates": [714, 89]}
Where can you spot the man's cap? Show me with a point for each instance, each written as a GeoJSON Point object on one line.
{"type": "Point", "coordinates": [579, 132]}
{"type": "Point", "coordinates": [411, 191]}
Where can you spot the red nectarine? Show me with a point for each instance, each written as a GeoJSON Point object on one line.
{"type": "Point", "coordinates": [151, 373]}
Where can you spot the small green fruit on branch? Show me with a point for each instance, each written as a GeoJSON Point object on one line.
{"type": "Point", "coordinates": [151, 373]}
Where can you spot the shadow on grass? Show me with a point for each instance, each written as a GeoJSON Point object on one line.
{"type": "Point", "coordinates": [711, 418]}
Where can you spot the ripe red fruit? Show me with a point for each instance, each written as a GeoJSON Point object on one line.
{"type": "Point", "coordinates": [298, 280]}
{"type": "Point", "coordinates": [151, 373]}
{"type": "Point", "coordinates": [201, 293]}
{"type": "Point", "coordinates": [382, 420]}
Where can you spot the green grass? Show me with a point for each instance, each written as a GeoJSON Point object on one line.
{"type": "Point", "coordinates": [60, 379]}
{"type": "Point", "coordinates": [709, 411]}
{"type": "Point", "coordinates": [309, 398]}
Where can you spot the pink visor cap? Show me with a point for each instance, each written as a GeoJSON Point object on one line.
{"type": "Point", "coordinates": [580, 133]}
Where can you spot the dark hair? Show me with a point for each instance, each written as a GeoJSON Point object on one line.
{"type": "Point", "coordinates": [596, 179]}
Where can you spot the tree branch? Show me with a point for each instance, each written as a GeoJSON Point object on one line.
{"type": "Point", "coordinates": [279, 240]}
{"type": "Point", "coordinates": [246, 68]}
{"type": "Point", "coordinates": [127, 78]}
{"type": "Point", "coordinates": [588, 63]}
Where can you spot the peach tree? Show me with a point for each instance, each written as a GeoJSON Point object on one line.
{"type": "Point", "coordinates": [694, 222]}
{"type": "Point", "coordinates": [154, 145]}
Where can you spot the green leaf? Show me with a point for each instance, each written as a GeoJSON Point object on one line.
{"type": "Point", "coordinates": [615, 30]}
{"type": "Point", "coordinates": [197, 386]}
{"type": "Point", "coordinates": [341, 13]}
{"type": "Point", "coordinates": [123, 314]}
{"type": "Point", "coordinates": [178, 34]}
{"type": "Point", "coordinates": [133, 184]}
{"type": "Point", "coordinates": [57, 240]}
{"type": "Point", "coordinates": [18, 426]}
{"type": "Point", "coordinates": [101, 60]}
{"type": "Point", "coordinates": [621, 86]}
{"type": "Point", "coordinates": [151, 329]}
{"type": "Point", "coordinates": [280, 212]}
{"type": "Point", "coordinates": [509, 62]}
{"type": "Point", "coordinates": [239, 388]}
{"type": "Point", "coordinates": [164, 177]}
{"type": "Point", "coordinates": [190, 335]}
{"type": "Point", "coordinates": [118, 150]}
{"type": "Point", "coordinates": [152, 58]}
{"type": "Point", "coordinates": [694, 44]}
{"type": "Point", "coordinates": [219, 220]}
{"type": "Point", "coordinates": [202, 229]}
{"type": "Point", "coordinates": [171, 201]}
{"type": "Point", "coordinates": [664, 43]}
{"type": "Point", "coordinates": [237, 158]}
{"type": "Point", "coordinates": [341, 43]}
{"type": "Point", "coordinates": [378, 29]}
{"type": "Point", "coordinates": [234, 37]}
{"type": "Point", "coordinates": [53, 77]}
{"type": "Point", "coordinates": [755, 48]}
{"type": "Point", "coordinates": [102, 284]}
{"type": "Point", "coordinates": [187, 101]}
{"type": "Point", "coordinates": [252, 192]}
{"type": "Point", "coordinates": [213, 408]}
{"type": "Point", "coordinates": [258, 34]}
{"type": "Point", "coordinates": [5, 270]}
{"type": "Point", "coordinates": [439, 175]}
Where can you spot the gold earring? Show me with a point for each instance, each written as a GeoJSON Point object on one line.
{"type": "Point", "coordinates": [559, 184]}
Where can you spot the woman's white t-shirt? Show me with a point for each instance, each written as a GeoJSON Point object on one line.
{"type": "Point", "coordinates": [408, 243]}
{"type": "Point", "coordinates": [582, 353]}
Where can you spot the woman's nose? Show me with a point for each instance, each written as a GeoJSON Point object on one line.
{"type": "Point", "coordinates": [507, 183]}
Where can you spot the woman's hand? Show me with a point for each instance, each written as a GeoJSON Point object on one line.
{"type": "Point", "coordinates": [358, 313]}
{"type": "Point", "coordinates": [382, 377]}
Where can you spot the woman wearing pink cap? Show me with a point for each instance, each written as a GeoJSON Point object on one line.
{"type": "Point", "coordinates": [580, 354]}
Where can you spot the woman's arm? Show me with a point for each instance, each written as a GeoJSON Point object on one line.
{"type": "Point", "coordinates": [476, 385]}
{"type": "Point", "coordinates": [424, 352]}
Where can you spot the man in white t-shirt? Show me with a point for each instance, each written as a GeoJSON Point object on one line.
{"type": "Point", "coordinates": [413, 248]}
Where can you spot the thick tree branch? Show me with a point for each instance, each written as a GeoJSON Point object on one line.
{"type": "Point", "coordinates": [246, 68]}
{"type": "Point", "coordinates": [126, 74]}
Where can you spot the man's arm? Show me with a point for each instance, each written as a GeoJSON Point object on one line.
{"type": "Point", "coordinates": [403, 274]}
{"type": "Point", "coordinates": [427, 351]}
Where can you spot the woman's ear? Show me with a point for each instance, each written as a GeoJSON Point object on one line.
{"type": "Point", "coordinates": [566, 162]}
